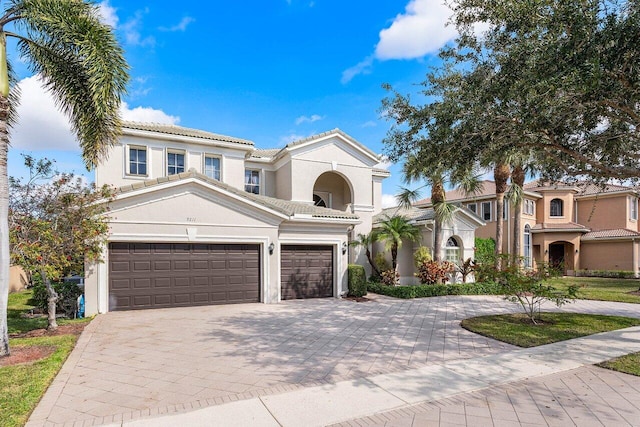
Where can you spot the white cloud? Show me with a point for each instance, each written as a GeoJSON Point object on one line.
{"type": "Point", "coordinates": [181, 26]}
{"type": "Point", "coordinates": [108, 14]}
{"type": "Point", "coordinates": [286, 139]}
{"type": "Point", "coordinates": [41, 126]}
{"type": "Point", "coordinates": [369, 124]}
{"type": "Point", "coordinates": [421, 30]}
{"type": "Point", "coordinates": [389, 201]}
{"type": "Point", "coordinates": [311, 119]}
{"type": "Point", "coordinates": [147, 114]}
{"type": "Point", "coordinates": [132, 34]}
{"type": "Point", "coordinates": [362, 67]}
{"type": "Point", "coordinates": [384, 164]}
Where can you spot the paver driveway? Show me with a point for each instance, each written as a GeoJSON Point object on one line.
{"type": "Point", "coordinates": [134, 364]}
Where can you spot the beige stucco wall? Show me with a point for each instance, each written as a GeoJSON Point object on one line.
{"type": "Point", "coordinates": [572, 259]}
{"type": "Point", "coordinates": [113, 170]}
{"type": "Point", "coordinates": [18, 279]}
{"type": "Point", "coordinates": [284, 181]}
{"type": "Point", "coordinates": [606, 213]}
{"type": "Point", "coordinates": [609, 255]}
{"type": "Point", "coordinates": [543, 206]}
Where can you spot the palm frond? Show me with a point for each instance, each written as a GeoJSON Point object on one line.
{"type": "Point", "coordinates": [444, 211]}
{"type": "Point", "coordinates": [80, 63]}
{"type": "Point", "coordinates": [407, 197]}
{"type": "Point", "coordinates": [515, 194]}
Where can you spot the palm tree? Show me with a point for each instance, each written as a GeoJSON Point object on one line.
{"type": "Point", "coordinates": [365, 241]}
{"type": "Point", "coordinates": [81, 64]}
{"type": "Point", "coordinates": [501, 172]}
{"type": "Point", "coordinates": [393, 230]}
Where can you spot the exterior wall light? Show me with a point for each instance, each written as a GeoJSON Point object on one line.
{"type": "Point", "coordinates": [344, 248]}
{"type": "Point", "coordinates": [271, 248]}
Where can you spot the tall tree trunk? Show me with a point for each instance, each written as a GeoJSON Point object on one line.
{"type": "Point", "coordinates": [437, 198]}
{"type": "Point", "coordinates": [517, 178]}
{"type": "Point", "coordinates": [373, 264]}
{"type": "Point", "coordinates": [394, 257]}
{"type": "Point", "coordinates": [4, 227]}
{"type": "Point", "coordinates": [501, 176]}
{"type": "Point", "coordinates": [52, 301]}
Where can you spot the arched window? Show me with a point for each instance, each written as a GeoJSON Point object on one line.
{"type": "Point", "coordinates": [452, 252]}
{"type": "Point", "coordinates": [318, 201]}
{"type": "Point", "coordinates": [556, 208]}
{"type": "Point", "coordinates": [527, 246]}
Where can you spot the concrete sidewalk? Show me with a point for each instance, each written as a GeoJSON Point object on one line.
{"type": "Point", "coordinates": [349, 400]}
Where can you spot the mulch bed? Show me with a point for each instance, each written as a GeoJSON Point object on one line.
{"type": "Point", "coordinates": [32, 353]}
{"type": "Point", "coordinates": [634, 292]}
{"type": "Point", "coordinates": [358, 299]}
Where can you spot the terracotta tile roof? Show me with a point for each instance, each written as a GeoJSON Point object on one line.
{"type": "Point", "coordinates": [609, 234]}
{"type": "Point", "coordinates": [328, 133]}
{"type": "Point", "coordinates": [265, 153]}
{"type": "Point", "coordinates": [487, 189]}
{"type": "Point", "coordinates": [182, 131]}
{"type": "Point", "coordinates": [413, 214]}
{"type": "Point", "coordinates": [584, 188]}
{"type": "Point", "coordinates": [285, 207]}
{"type": "Point", "coordinates": [563, 226]}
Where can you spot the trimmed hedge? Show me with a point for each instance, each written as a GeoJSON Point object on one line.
{"type": "Point", "coordinates": [616, 274]}
{"type": "Point", "coordinates": [422, 291]}
{"type": "Point", "coordinates": [357, 280]}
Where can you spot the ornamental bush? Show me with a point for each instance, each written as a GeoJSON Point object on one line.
{"type": "Point", "coordinates": [432, 272]}
{"type": "Point", "coordinates": [357, 280]}
{"type": "Point", "coordinates": [424, 291]}
{"type": "Point", "coordinates": [390, 277]}
{"type": "Point", "coordinates": [68, 294]}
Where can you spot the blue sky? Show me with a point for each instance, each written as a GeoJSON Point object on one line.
{"type": "Point", "coordinates": [271, 71]}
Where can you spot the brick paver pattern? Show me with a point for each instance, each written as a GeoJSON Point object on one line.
{"type": "Point", "coordinates": [129, 365]}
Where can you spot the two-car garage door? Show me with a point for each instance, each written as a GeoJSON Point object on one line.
{"type": "Point", "coordinates": [158, 275]}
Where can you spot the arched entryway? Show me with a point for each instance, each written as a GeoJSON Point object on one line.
{"type": "Point", "coordinates": [561, 256]}
{"type": "Point", "coordinates": [332, 190]}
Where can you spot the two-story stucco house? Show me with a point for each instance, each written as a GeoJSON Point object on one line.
{"type": "Point", "coordinates": [200, 218]}
{"type": "Point", "coordinates": [579, 226]}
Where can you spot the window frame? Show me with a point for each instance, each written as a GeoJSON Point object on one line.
{"type": "Point", "coordinates": [527, 246]}
{"type": "Point", "coordinates": [258, 173]}
{"type": "Point", "coordinates": [219, 170]}
{"type": "Point", "coordinates": [475, 207]}
{"type": "Point", "coordinates": [449, 249]}
{"type": "Point", "coordinates": [529, 207]}
{"type": "Point", "coordinates": [489, 210]}
{"type": "Point", "coordinates": [505, 210]}
{"type": "Point", "coordinates": [560, 205]}
{"type": "Point", "coordinates": [128, 160]}
{"type": "Point", "coordinates": [182, 153]}
{"type": "Point", "coordinates": [633, 208]}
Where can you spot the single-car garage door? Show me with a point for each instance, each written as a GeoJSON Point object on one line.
{"type": "Point", "coordinates": [158, 275]}
{"type": "Point", "coordinates": [306, 271]}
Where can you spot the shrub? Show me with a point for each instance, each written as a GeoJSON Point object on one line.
{"type": "Point", "coordinates": [381, 262]}
{"type": "Point", "coordinates": [465, 268]}
{"type": "Point", "coordinates": [424, 291]}
{"type": "Point", "coordinates": [68, 294]}
{"type": "Point", "coordinates": [421, 255]}
{"type": "Point", "coordinates": [485, 249]}
{"type": "Point", "coordinates": [431, 272]}
{"type": "Point", "coordinates": [528, 289]}
{"type": "Point", "coordinates": [357, 280]}
{"type": "Point", "coordinates": [390, 277]}
{"type": "Point", "coordinates": [617, 274]}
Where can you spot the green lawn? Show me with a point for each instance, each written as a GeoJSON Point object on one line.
{"type": "Point", "coordinates": [516, 328]}
{"type": "Point", "coordinates": [602, 289]}
{"type": "Point", "coordinates": [629, 364]}
{"type": "Point", "coordinates": [23, 385]}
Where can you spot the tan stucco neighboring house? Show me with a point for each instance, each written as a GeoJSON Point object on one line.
{"type": "Point", "coordinates": [579, 225]}
{"type": "Point", "coordinates": [201, 218]}
{"type": "Point", "coordinates": [458, 236]}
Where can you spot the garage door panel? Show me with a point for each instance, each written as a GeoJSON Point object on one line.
{"type": "Point", "coordinates": [306, 271]}
{"type": "Point", "coordinates": [166, 275]}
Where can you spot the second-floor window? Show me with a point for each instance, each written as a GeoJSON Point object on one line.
{"type": "Point", "coordinates": [529, 207]}
{"type": "Point", "coordinates": [472, 207]}
{"type": "Point", "coordinates": [556, 208]}
{"type": "Point", "coordinates": [505, 209]}
{"type": "Point", "coordinates": [212, 167]}
{"type": "Point", "coordinates": [175, 163]}
{"type": "Point", "coordinates": [486, 211]}
{"type": "Point", "coordinates": [137, 161]}
{"type": "Point", "coordinates": [252, 181]}
{"type": "Point", "coordinates": [633, 208]}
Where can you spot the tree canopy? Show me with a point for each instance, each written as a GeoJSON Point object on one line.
{"type": "Point", "coordinates": [557, 80]}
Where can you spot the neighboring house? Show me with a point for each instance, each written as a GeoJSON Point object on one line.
{"type": "Point", "coordinates": [201, 218]}
{"type": "Point", "coordinates": [458, 236]}
{"type": "Point", "coordinates": [579, 226]}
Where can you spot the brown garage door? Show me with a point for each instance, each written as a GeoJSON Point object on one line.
{"type": "Point", "coordinates": [306, 271]}
{"type": "Point", "coordinates": [158, 275]}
